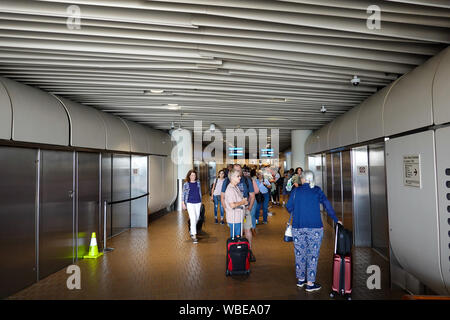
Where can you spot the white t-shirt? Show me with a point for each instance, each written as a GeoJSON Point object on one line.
{"type": "Point", "coordinates": [218, 187]}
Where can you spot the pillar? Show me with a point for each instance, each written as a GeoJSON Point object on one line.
{"type": "Point", "coordinates": [182, 156]}
{"type": "Point", "coordinates": [298, 156]}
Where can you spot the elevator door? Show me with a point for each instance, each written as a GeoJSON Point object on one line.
{"type": "Point", "coordinates": [17, 219]}
{"type": "Point", "coordinates": [378, 204]}
{"type": "Point", "coordinates": [56, 217]}
{"type": "Point", "coordinates": [347, 204]}
{"type": "Point", "coordinates": [106, 192]}
{"type": "Point", "coordinates": [139, 187]}
{"type": "Point", "coordinates": [88, 201]}
{"type": "Point", "coordinates": [337, 186]}
{"type": "Point", "coordinates": [121, 190]}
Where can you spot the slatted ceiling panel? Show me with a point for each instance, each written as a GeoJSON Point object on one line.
{"type": "Point", "coordinates": [239, 64]}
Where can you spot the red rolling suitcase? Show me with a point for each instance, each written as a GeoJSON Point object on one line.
{"type": "Point", "coordinates": [342, 268]}
{"type": "Point", "coordinates": [238, 255]}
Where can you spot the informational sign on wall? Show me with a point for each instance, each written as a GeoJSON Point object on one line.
{"type": "Point", "coordinates": [411, 171]}
{"type": "Point", "coordinates": [362, 170]}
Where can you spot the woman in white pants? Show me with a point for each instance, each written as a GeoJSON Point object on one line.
{"type": "Point", "coordinates": [192, 201]}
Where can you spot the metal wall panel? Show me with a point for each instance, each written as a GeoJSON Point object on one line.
{"type": "Point", "coordinates": [159, 142]}
{"type": "Point", "coordinates": [87, 129]}
{"type": "Point", "coordinates": [18, 177]}
{"type": "Point", "coordinates": [329, 170]}
{"type": "Point", "coordinates": [323, 138]}
{"type": "Point", "coordinates": [413, 216]}
{"type": "Point", "coordinates": [106, 191]}
{"type": "Point", "coordinates": [334, 139]}
{"type": "Point", "coordinates": [139, 186]}
{"type": "Point", "coordinates": [34, 113]}
{"type": "Point", "coordinates": [347, 200]}
{"type": "Point", "coordinates": [348, 130]}
{"type": "Point", "coordinates": [441, 90]}
{"type": "Point", "coordinates": [5, 114]}
{"type": "Point", "coordinates": [117, 135]}
{"type": "Point", "coordinates": [361, 197]}
{"type": "Point", "coordinates": [170, 187]}
{"type": "Point", "coordinates": [337, 185]}
{"type": "Point", "coordinates": [121, 190]}
{"type": "Point", "coordinates": [138, 137]}
{"type": "Point", "coordinates": [443, 178]}
{"type": "Point", "coordinates": [324, 173]}
{"type": "Point", "coordinates": [56, 216]}
{"type": "Point", "coordinates": [379, 214]}
{"type": "Point", "coordinates": [308, 144]}
{"type": "Point", "coordinates": [88, 200]}
{"type": "Point", "coordinates": [408, 105]}
{"type": "Point", "coordinates": [315, 165]}
{"type": "Point", "coordinates": [369, 123]}
{"type": "Point", "coordinates": [155, 172]}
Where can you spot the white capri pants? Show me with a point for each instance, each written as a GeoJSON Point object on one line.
{"type": "Point", "coordinates": [193, 210]}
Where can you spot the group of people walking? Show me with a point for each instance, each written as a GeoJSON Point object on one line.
{"type": "Point", "coordinates": [244, 193]}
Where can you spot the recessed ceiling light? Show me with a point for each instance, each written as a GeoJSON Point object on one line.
{"type": "Point", "coordinates": [279, 100]}
{"type": "Point", "coordinates": [173, 106]}
{"type": "Point", "coordinates": [154, 91]}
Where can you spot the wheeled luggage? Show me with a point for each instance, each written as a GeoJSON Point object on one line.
{"type": "Point", "coordinates": [238, 254]}
{"type": "Point", "coordinates": [343, 245]}
{"type": "Point", "coordinates": [342, 264]}
{"type": "Point", "coordinates": [200, 221]}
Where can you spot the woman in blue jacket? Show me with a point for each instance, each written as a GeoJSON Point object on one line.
{"type": "Point", "coordinates": [307, 228]}
{"type": "Point", "coordinates": [192, 201]}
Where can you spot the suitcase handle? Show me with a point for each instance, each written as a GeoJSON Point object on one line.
{"type": "Point", "coordinates": [336, 237]}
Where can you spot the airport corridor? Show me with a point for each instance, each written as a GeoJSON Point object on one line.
{"type": "Point", "coordinates": [161, 262]}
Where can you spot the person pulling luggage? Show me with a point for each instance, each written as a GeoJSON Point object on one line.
{"type": "Point", "coordinates": [245, 186]}
{"type": "Point", "coordinates": [307, 228]}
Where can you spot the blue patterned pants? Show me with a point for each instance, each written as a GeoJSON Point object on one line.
{"type": "Point", "coordinates": [307, 242]}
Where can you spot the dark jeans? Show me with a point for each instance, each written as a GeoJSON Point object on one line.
{"type": "Point", "coordinates": [216, 205]}
{"type": "Point", "coordinates": [265, 206]}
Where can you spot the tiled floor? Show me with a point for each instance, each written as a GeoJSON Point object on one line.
{"type": "Point", "coordinates": [161, 262]}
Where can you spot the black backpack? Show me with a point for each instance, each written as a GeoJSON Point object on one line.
{"type": "Point", "coordinates": [344, 241]}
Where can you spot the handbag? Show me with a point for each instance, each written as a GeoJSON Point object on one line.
{"type": "Point", "coordinates": [259, 197]}
{"type": "Point", "coordinates": [288, 233]}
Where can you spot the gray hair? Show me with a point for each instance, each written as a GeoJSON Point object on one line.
{"type": "Point", "coordinates": [308, 175]}
{"type": "Point", "coordinates": [234, 173]}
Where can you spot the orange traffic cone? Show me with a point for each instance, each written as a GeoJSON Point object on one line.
{"type": "Point", "coordinates": [93, 249]}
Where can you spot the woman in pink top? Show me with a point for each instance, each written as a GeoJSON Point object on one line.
{"type": "Point", "coordinates": [233, 203]}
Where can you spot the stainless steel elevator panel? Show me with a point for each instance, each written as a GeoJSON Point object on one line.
{"type": "Point", "coordinates": [337, 200]}
{"type": "Point", "coordinates": [56, 217]}
{"type": "Point", "coordinates": [329, 177]}
{"type": "Point", "coordinates": [17, 219]}
{"type": "Point", "coordinates": [139, 186]}
{"type": "Point", "coordinates": [315, 165]}
{"type": "Point", "coordinates": [121, 190]}
{"type": "Point", "coordinates": [379, 214]}
{"type": "Point", "coordinates": [413, 212]}
{"type": "Point", "coordinates": [324, 173]}
{"type": "Point", "coordinates": [88, 200]}
{"type": "Point", "coordinates": [106, 192]}
{"type": "Point", "coordinates": [361, 197]}
{"type": "Point", "coordinates": [443, 179]}
{"type": "Point", "coordinates": [346, 183]}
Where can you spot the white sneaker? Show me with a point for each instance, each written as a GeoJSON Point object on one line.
{"type": "Point", "coordinates": [269, 214]}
